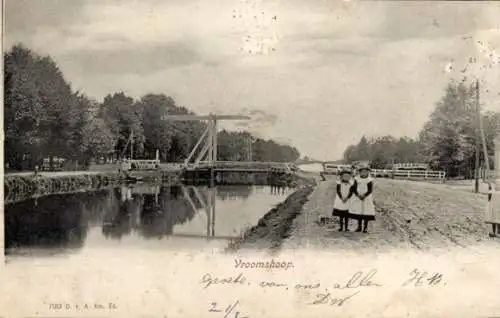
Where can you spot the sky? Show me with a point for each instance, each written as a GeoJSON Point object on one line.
{"type": "Point", "coordinates": [316, 74]}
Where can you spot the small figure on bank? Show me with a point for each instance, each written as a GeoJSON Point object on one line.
{"type": "Point", "coordinates": [362, 207]}
{"type": "Point", "coordinates": [345, 191]}
{"type": "Point", "coordinates": [492, 215]}
{"type": "Point", "coordinates": [125, 168]}
{"type": "Point", "coordinates": [322, 175]}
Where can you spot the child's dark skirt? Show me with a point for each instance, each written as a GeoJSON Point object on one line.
{"type": "Point", "coordinates": [362, 217]}
{"type": "Point", "coordinates": [341, 213]}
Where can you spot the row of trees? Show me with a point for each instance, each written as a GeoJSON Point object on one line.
{"type": "Point", "coordinates": [447, 140]}
{"type": "Point", "coordinates": [45, 118]}
{"type": "Point", "coordinates": [383, 151]}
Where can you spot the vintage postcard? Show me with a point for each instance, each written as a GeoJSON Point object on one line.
{"type": "Point", "coordinates": [250, 158]}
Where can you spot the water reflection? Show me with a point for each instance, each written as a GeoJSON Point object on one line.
{"type": "Point", "coordinates": [142, 210]}
{"type": "Point", "coordinates": [278, 189]}
{"type": "Point", "coordinates": [39, 223]}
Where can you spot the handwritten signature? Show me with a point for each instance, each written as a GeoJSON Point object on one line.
{"type": "Point", "coordinates": [328, 299]}
{"type": "Point", "coordinates": [231, 309]}
{"type": "Point", "coordinates": [418, 278]}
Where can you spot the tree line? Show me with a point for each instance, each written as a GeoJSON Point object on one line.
{"type": "Point", "coordinates": [44, 117]}
{"type": "Point", "coordinates": [447, 141]}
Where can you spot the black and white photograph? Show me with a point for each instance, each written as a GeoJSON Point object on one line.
{"type": "Point", "coordinates": [251, 158]}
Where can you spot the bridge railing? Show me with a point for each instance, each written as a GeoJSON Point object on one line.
{"type": "Point", "coordinates": [249, 164]}
{"type": "Point", "coordinates": [409, 174]}
{"type": "Point", "coordinates": [145, 164]}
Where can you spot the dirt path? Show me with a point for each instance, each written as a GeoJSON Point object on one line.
{"type": "Point", "coordinates": [410, 214]}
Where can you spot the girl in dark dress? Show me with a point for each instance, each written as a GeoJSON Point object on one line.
{"type": "Point", "coordinates": [344, 192]}
{"type": "Point", "coordinates": [362, 207]}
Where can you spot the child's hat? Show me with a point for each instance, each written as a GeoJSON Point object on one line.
{"type": "Point", "coordinates": [364, 166]}
{"type": "Point", "coordinates": [345, 171]}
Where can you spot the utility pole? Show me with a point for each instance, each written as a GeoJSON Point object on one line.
{"type": "Point", "coordinates": [478, 145]}
{"type": "Point", "coordinates": [131, 145]}
{"type": "Point", "coordinates": [250, 140]}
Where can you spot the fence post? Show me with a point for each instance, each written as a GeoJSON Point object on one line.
{"type": "Point", "coordinates": [425, 176]}
{"type": "Point", "coordinates": [408, 175]}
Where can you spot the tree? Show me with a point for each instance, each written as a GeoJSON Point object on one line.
{"type": "Point", "coordinates": [363, 149]}
{"type": "Point", "coordinates": [157, 132]}
{"type": "Point", "coordinates": [449, 135]}
{"type": "Point", "coordinates": [38, 107]}
{"type": "Point", "coordinates": [123, 117]}
{"type": "Point", "coordinates": [97, 139]}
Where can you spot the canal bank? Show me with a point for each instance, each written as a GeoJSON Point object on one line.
{"type": "Point", "coordinates": [22, 186]}
{"type": "Point", "coordinates": [276, 225]}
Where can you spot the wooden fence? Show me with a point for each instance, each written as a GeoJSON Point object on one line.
{"type": "Point", "coordinates": [251, 165]}
{"type": "Point", "coordinates": [140, 164]}
{"type": "Point", "coordinates": [409, 174]}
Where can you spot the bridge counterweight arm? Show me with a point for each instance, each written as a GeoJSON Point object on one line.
{"type": "Point", "coordinates": [210, 132]}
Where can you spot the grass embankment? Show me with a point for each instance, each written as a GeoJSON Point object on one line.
{"type": "Point", "coordinates": [275, 225]}
{"type": "Point", "coordinates": [21, 187]}
{"type": "Point", "coordinates": [24, 185]}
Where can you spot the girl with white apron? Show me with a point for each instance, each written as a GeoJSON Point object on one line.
{"type": "Point", "coordinates": [344, 193]}
{"type": "Point", "coordinates": [362, 207]}
{"type": "Point", "coordinates": [492, 212]}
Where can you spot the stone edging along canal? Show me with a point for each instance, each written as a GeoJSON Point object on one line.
{"type": "Point", "coordinates": [21, 187]}
{"type": "Point", "coordinates": [276, 224]}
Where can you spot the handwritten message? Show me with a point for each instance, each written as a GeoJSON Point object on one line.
{"type": "Point", "coordinates": [331, 294]}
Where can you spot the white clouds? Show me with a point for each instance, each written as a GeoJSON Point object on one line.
{"type": "Point", "coordinates": [339, 70]}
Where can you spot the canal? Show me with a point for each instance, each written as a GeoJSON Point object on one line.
{"type": "Point", "coordinates": [141, 216]}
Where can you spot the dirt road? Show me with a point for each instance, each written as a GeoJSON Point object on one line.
{"type": "Point", "coordinates": [415, 215]}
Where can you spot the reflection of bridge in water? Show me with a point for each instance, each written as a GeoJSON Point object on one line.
{"type": "Point", "coordinates": [188, 201]}
{"type": "Point", "coordinates": [151, 211]}
{"type": "Point", "coordinates": [196, 197]}
{"type": "Point", "coordinates": [191, 200]}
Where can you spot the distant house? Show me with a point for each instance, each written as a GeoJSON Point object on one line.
{"type": "Point", "coordinates": [57, 164]}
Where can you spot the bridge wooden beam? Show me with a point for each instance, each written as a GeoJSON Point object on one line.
{"type": "Point", "coordinates": [205, 132]}
{"type": "Point", "coordinates": [211, 143]}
